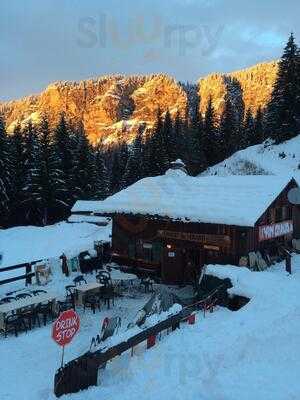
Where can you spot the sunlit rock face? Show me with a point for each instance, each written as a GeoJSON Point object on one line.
{"type": "Point", "coordinates": [113, 107]}
{"type": "Point", "coordinates": [256, 85]}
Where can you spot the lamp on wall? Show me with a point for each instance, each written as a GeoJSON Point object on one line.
{"type": "Point", "coordinates": [169, 246]}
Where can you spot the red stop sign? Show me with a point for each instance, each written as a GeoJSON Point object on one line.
{"type": "Point", "coordinates": [65, 327]}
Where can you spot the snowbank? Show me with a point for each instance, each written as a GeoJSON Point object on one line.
{"type": "Point", "coordinates": [262, 159]}
{"type": "Point", "coordinates": [29, 243]}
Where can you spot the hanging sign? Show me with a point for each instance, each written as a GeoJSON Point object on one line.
{"type": "Point", "coordinates": [267, 232]}
{"type": "Point", "coordinates": [217, 240]}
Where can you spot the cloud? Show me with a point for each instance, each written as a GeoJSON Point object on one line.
{"type": "Point", "coordinates": [40, 40]}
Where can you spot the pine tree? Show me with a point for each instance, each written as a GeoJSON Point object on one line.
{"type": "Point", "coordinates": [64, 150]}
{"type": "Point", "coordinates": [146, 154]}
{"type": "Point", "coordinates": [248, 134]}
{"type": "Point", "coordinates": [283, 113]}
{"type": "Point", "coordinates": [157, 148]}
{"type": "Point", "coordinates": [133, 170]}
{"type": "Point", "coordinates": [196, 160]}
{"type": "Point", "coordinates": [259, 127]}
{"type": "Point", "coordinates": [209, 135]}
{"type": "Point", "coordinates": [51, 179]}
{"type": "Point", "coordinates": [228, 131]}
{"type": "Point", "coordinates": [17, 156]}
{"type": "Point", "coordinates": [102, 183]}
{"type": "Point", "coordinates": [32, 191]}
{"type": "Point", "coordinates": [120, 158]}
{"type": "Point", "coordinates": [170, 138]}
{"type": "Point", "coordinates": [5, 178]}
{"type": "Point", "coordinates": [82, 172]}
{"type": "Point", "coordinates": [178, 135]}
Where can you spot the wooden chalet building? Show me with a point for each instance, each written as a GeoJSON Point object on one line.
{"type": "Point", "coordinates": [173, 224]}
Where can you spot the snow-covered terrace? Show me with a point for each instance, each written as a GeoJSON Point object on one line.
{"type": "Point", "coordinates": [251, 353]}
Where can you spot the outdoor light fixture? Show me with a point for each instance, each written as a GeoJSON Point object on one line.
{"type": "Point", "coordinates": [169, 246]}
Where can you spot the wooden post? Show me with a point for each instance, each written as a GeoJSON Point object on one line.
{"type": "Point", "coordinates": [288, 264]}
{"type": "Point", "coordinates": [28, 271]}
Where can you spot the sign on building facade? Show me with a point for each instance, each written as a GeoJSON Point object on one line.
{"type": "Point", "coordinates": [267, 232]}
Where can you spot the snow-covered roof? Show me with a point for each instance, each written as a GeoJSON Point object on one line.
{"type": "Point", "coordinates": [231, 200]}
{"type": "Point", "coordinates": [95, 219]}
{"type": "Point", "coordinates": [85, 206]}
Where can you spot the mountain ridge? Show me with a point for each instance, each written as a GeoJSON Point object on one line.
{"type": "Point", "coordinates": [113, 107]}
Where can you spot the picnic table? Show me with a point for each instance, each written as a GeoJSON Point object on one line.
{"type": "Point", "coordinates": [118, 276]}
{"type": "Point", "coordinates": [88, 288]}
{"type": "Point", "coordinates": [16, 305]}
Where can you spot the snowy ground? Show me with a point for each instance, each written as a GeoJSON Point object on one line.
{"type": "Point", "coordinates": [30, 243]}
{"type": "Point", "coordinates": [262, 159]}
{"type": "Point", "coordinates": [253, 353]}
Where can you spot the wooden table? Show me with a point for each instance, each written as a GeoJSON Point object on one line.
{"type": "Point", "coordinates": [16, 305]}
{"type": "Point", "coordinates": [82, 290]}
{"type": "Point", "coordinates": [118, 276]}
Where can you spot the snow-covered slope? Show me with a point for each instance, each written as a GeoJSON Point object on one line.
{"type": "Point", "coordinates": [262, 159]}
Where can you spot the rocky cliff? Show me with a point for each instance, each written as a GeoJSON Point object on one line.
{"type": "Point", "coordinates": [113, 107]}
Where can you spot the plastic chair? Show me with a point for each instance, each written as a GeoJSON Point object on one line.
{"type": "Point", "coordinates": [91, 301]}
{"type": "Point", "coordinates": [37, 292]}
{"type": "Point", "coordinates": [70, 294]}
{"type": "Point", "coordinates": [79, 280]}
{"type": "Point", "coordinates": [46, 311]}
{"type": "Point", "coordinates": [8, 299]}
{"type": "Point", "coordinates": [14, 323]}
{"type": "Point", "coordinates": [22, 296]}
{"type": "Point", "coordinates": [107, 294]}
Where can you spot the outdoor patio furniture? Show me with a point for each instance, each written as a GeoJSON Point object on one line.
{"type": "Point", "coordinates": [14, 323]}
{"type": "Point", "coordinates": [70, 289]}
{"type": "Point", "coordinates": [91, 301]}
{"type": "Point", "coordinates": [104, 278]}
{"type": "Point", "coordinates": [107, 294]}
{"type": "Point", "coordinates": [79, 280]}
{"type": "Point", "coordinates": [7, 299]}
{"type": "Point", "coordinates": [17, 306]}
{"type": "Point", "coordinates": [22, 296]}
{"type": "Point", "coordinates": [64, 305]}
{"type": "Point", "coordinates": [46, 311]}
{"type": "Point", "coordinates": [84, 290]}
{"type": "Point", "coordinates": [147, 283]}
{"type": "Point", "coordinates": [31, 316]}
{"type": "Point", "coordinates": [37, 292]}
{"type": "Point", "coordinates": [70, 294]}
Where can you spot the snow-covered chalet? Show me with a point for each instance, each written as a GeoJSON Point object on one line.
{"type": "Point", "coordinates": [171, 224]}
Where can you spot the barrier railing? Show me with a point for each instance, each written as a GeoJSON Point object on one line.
{"type": "Point", "coordinates": [27, 276]}
{"type": "Point", "coordinates": [82, 372]}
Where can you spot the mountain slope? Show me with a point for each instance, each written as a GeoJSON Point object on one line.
{"type": "Point", "coordinates": [256, 83]}
{"type": "Point", "coordinates": [113, 107]}
{"type": "Point", "coordinates": [282, 159]}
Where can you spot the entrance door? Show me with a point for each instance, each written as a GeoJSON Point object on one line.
{"type": "Point", "coordinates": [193, 261]}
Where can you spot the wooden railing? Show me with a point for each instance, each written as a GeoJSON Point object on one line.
{"type": "Point", "coordinates": [27, 276]}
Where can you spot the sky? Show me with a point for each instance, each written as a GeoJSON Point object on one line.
{"type": "Point", "coordinates": [42, 41]}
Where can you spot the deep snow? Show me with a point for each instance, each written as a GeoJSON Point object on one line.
{"type": "Point", "coordinates": [262, 159]}
{"type": "Point", "coordinates": [251, 353]}
{"type": "Point", "coordinates": [30, 243]}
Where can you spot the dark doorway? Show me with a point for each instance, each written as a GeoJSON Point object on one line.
{"type": "Point", "coordinates": [192, 263]}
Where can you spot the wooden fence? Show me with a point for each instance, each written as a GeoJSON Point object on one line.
{"type": "Point", "coordinates": [27, 276]}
